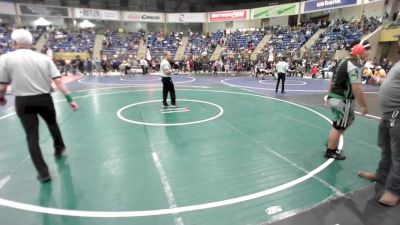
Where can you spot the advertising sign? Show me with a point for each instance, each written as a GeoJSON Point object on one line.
{"type": "Point", "coordinates": [186, 17]}
{"type": "Point", "coordinates": [44, 11]}
{"type": "Point", "coordinates": [317, 5]}
{"type": "Point", "coordinates": [96, 14]}
{"type": "Point", "coordinates": [143, 17]}
{"type": "Point", "coordinates": [274, 11]}
{"type": "Point", "coordinates": [229, 15]}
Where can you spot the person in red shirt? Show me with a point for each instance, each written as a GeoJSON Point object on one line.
{"type": "Point", "coordinates": [314, 71]}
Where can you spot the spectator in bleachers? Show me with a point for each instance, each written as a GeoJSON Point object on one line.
{"type": "Point", "coordinates": [341, 33]}
{"type": "Point", "coordinates": [157, 44]}
{"type": "Point", "coordinates": [367, 74]}
{"type": "Point", "coordinates": [5, 36]}
{"type": "Point", "coordinates": [200, 44]}
{"type": "Point", "coordinates": [121, 44]}
{"type": "Point", "coordinates": [67, 41]}
{"type": "Point", "coordinates": [380, 72]}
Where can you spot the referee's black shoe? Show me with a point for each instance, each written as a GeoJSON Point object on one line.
{"type": "Point", "coordinates": [334, 154]}
{"type": "Point", "coordinates": [43, 179]}
{"type": "Point", "coordinates": [59, 153]}
{"type": "Point", "coordinates": [165, 106]}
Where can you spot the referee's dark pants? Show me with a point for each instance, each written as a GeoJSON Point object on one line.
{"type": "Point", "coordinates": [281, 76]}
{"type": "Point", "coordinates": [168, 86]}
{"type": "Point", "coordinates": [28, 108]}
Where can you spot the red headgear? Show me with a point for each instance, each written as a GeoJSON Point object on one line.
{"type": "Point", "coordinates": [360, 49]}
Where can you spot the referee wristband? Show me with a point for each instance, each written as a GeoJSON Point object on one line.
{"type": "Point", "coordinates": [69, 98]}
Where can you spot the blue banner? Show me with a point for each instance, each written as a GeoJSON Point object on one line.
{"type": "Point", "coordinates": [327, 4]}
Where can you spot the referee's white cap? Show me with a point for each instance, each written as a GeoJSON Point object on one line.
{"type": "Point", "coordinates": [22, 37]}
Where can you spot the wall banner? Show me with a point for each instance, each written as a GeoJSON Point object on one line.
{"type": "Point", "coordinates": [186, 17]}
{"type": "Point", "coordinates": [96, 14]}
{"type": "Point", "coordinates": [274, 11]}
{"type": "Point", "coordinates": [143, 17]}
{"type": "Point", "coordinates": [44, 11]}
{"type": "Point", "coordinates": [229, 15]}
{"type": "Point", "coordinates": [317, 5]}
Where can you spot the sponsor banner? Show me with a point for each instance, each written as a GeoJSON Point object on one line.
{"type": "Point", "coordinates": [143, 17]}
{"type": "Point", "coordinates": [96, 14]}
{"type": "Point", "coordinates": [186, 17]}
{"type": "Point", "coordinates": [274, 11]}
{"type": "Point", "coordinates": [319, 5]}
{"type": "Point", "coordinates": [7, 8]}
{"type": "Point", "coordinates": [367, 1]}
{"type": "Point", "coordinates": [44, 11]}
{"type": "Point", "coordinates": [229, 15]}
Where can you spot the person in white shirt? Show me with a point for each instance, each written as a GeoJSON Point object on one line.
{"type": "Point", "coordinates": [144, 65]}
{"type": "Point", "coordinates": [168, 85]}
{"type": "Point", "coordinates": [49, 53]}
{"type": "Point", "coordinates": [30, 73]}
{"type": "Point", "coordinates": [281, 68]}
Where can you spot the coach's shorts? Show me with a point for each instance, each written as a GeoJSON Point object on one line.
{"type": "Point", "coordinates": [343, 112]}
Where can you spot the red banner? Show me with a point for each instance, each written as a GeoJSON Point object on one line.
{"type": "Point", "coordinates": [229, 15]}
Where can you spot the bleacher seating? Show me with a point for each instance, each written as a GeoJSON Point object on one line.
{"type": "Point", "coordinates": [121, 44]}
{"type": "Point", "coordinates": [341, 33]}
{"type": "Point", "coordinates": [156, 44]}
{"type": "Point", "coordinates": [5, 36]}
{"type": "Point", "coordinates": [284, 40]}
{"type": "Point", "coordinates": [5, 40]}
{"type": "Point", "coordinates": [67, 41]}
{"type": "Point", "coordinates": [240, 42]}
{"type": "Point", "coordinates": [199, 44]}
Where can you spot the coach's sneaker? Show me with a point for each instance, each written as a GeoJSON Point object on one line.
{"type": "Point", "coordinates": [332, 153]}
{"type": "Point", "coordinates": [370, 176]}
{"type": "Point", "coordinates": [389, 199]}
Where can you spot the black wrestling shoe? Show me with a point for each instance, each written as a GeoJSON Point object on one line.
{"type": "Point", "coordinates": [334, 155]}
